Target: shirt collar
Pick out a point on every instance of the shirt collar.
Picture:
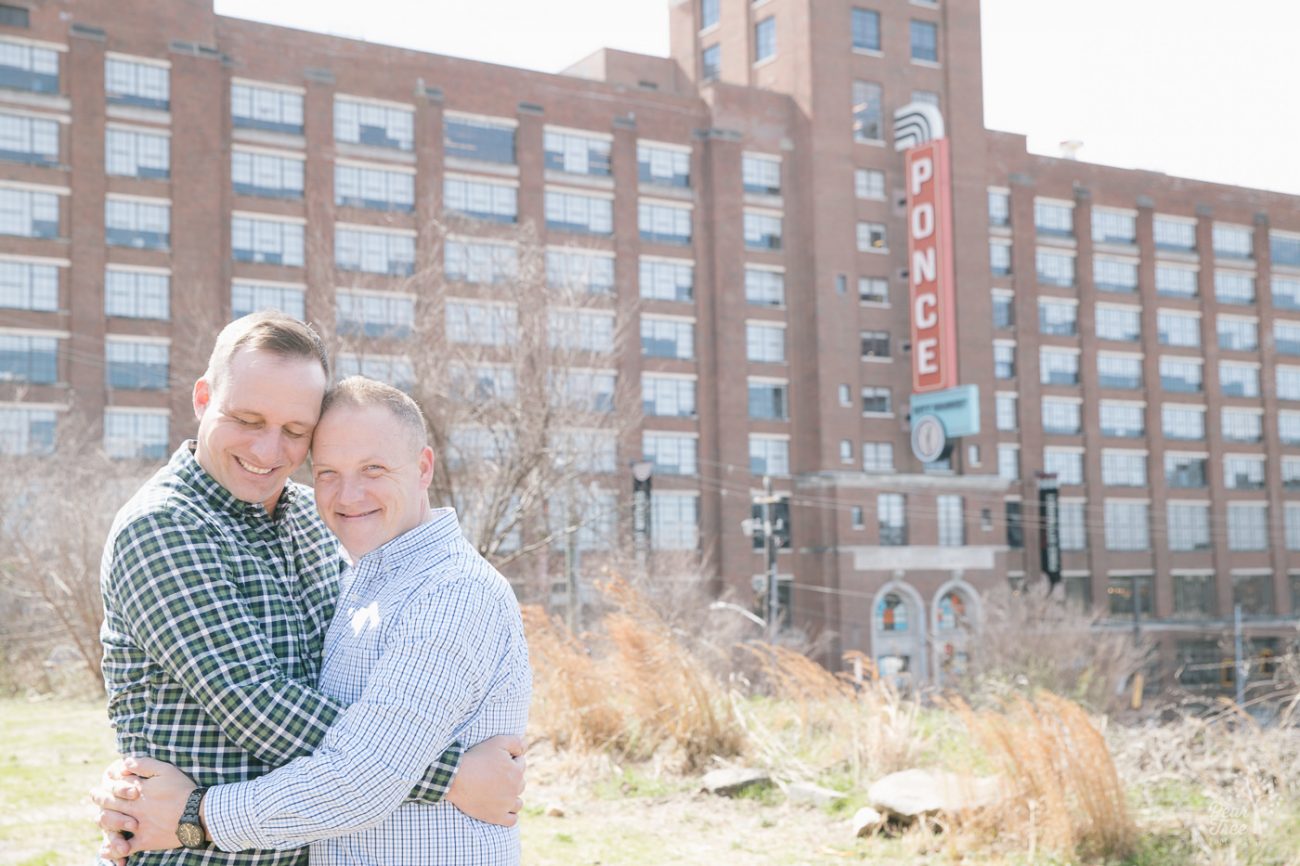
(186, 467)
(439, 529)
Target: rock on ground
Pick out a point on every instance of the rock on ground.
(910, 794)
(730, 781)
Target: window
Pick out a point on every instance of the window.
(876, 400)
(29, 358)
(1121, 591)
(26, 431)
(374, 252)
(29, 286)
(869, 183)
(1182, 422)
(596, 518)
(1119, 371)
(877, 457)
(1286, 337)
(1057, 367)
(374, 188)
(32, 140)
(477, 382)
(1004, 360)
(1015, 526)
(14, 16)
(1189, 526)
(857, 518)
(1290, 528)
(1237, 335)
(1113, 227)
(846, 451)
(865, 26)
(1243, 472)
(587, 450)
(667, 338)
(479, 139)
(132, 153)
(1175, 282)
(765, 342)
(762, 231)
(135, 434)
(29, 213)
(1186, 470)
(1242, 425)
(136, 223)
(1067, 466)
(1238, 380)
(709, 10)
(1004, 310)
(267, 241)
(580, 270)
(260, 106)
(875, 344)
(1178, 329)
(480, 261)
(1286, 293)
(137, 294)
(952, 529)
(1122, 324)
(764, 288)
(711, 63)
(663, 165)
(265, 174)
(1180, 375)
(666, 223)
(999, 258)
(481, 323)
(1247, 526)
(585, 214)
(1288, 427)
(1054, 268)
(1234, 287)
(576, 153)
(1233, 241)
(374, 314)
(482, 200)
(1072, 524)
(671, 453)
(136, 365)
(1115, 275)
(395, 370)
(891, 519)
(248, 297)
(1284, 248)
(1126, 526)
(1009, 462)
(1006, 412)
(667, 396)
(769, 400)
(1175, 233)
(769, 455)
(1055, 218)
(765, 39)
(674, 521)
(374, 124)
(1288, 382)
(1254, 592)
(1058, 317)
(872, 238)
(1194, 596)
(868, 122)
(1122, 420)
(28, 67)
(1062, 417)
(1124, 468)
(999, 208)
(581, 330)
(131, 82)
(760, 174)
(925, 41)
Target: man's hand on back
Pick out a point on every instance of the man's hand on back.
(490, 781)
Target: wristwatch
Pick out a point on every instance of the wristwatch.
(190, 829)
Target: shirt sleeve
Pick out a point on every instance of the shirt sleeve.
(170, 585)
(433, 671)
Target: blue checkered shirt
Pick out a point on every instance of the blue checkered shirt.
(427, 647)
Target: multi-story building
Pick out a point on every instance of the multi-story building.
(164, 169)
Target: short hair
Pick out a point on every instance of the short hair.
(360, 392)
(266, 331)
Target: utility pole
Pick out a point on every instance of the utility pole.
(1239, 656)
(769, 501)
(571, 568)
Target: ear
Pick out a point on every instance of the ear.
(426, 467)
(202, 397)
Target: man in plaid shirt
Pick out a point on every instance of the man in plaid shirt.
(219, 581)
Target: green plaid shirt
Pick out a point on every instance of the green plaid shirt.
(214, 619)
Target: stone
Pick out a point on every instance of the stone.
(730, 781)
(866, 821)
(555, 810)
(815, 795)
(910, 794)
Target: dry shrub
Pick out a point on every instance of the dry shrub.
(571, 705)
(1065, 793)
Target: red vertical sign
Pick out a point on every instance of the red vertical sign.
(930, 267)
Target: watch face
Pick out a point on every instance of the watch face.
(190, 835)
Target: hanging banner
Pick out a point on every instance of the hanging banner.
(930, 267)
(1049, 521)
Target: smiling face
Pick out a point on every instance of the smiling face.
(255, 426)
(372, 476)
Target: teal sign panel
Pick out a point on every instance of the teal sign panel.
(958, 408)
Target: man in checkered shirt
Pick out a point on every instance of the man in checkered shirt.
(219, 581)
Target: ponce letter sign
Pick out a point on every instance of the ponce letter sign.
(930, 269)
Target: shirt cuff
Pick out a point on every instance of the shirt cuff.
(229, 813)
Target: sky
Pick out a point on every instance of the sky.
(1195, 88)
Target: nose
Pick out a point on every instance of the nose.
(266, 448)
(350, 490)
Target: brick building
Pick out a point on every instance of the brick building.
(163, 168)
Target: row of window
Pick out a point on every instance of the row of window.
(1194, 596)
(1120, 468)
